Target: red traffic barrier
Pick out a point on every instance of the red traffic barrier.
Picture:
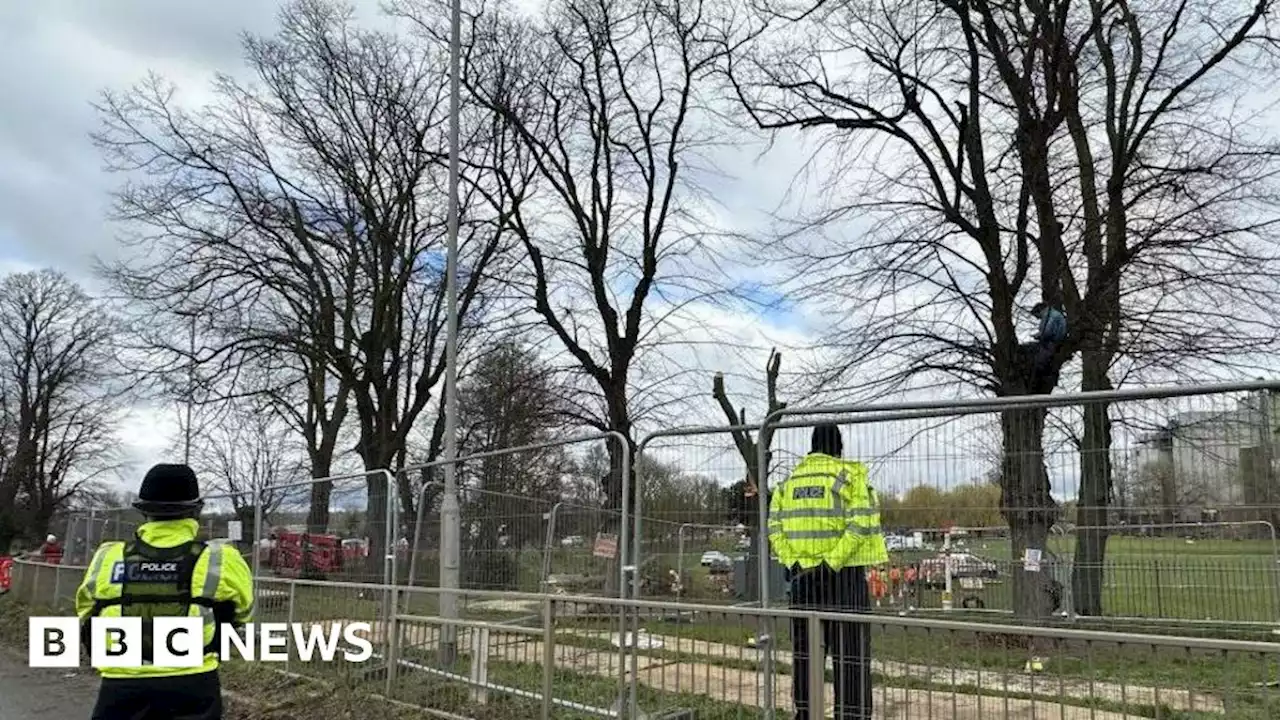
(6, 563)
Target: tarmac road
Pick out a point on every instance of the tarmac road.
(28, 693)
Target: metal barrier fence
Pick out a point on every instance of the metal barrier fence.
(512, 501)
(1187, 457)
(556, 656)
(224, 514)
(714, 561)
(1206, 447)
(1183, 454)
(504, 496)
(327, 528)
(571, 560)
(43, 585)
(85, 530)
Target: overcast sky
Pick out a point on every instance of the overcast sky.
(55, 60)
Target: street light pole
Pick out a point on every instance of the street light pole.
(450, 530)
(191, 392)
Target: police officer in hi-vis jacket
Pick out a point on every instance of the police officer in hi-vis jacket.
(824, 527)
(164, 571)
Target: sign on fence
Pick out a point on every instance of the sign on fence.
(1031, 560)
(235, 530)
(6, 566)
(606, 546)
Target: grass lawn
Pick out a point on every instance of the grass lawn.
(1206, 579)
(1236, 581)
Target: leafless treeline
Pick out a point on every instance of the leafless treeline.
(1112, 157)
(61, 387)
(1109, 156)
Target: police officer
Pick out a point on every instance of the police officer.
(166, 572)
(824, 527)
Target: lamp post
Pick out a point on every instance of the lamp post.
(191, 384)
(450, 531)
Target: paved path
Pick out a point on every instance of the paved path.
(1003, 681)
(44, 694)
(742, 686)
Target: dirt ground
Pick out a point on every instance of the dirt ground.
(43, 694)
(64, 694)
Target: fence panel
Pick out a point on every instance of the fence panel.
(86, 530)
(695, 517)
(574, 551)
(47, 588)
(1187, 527)
(547, 516)
(557, 663)
(328, 529)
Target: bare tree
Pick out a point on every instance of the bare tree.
(512, 398)
(245, 451)
(59, 396)
(600, 103)
(744, 495)
(742, 439)
(301, 389)
(302, 215)
(1074, 151)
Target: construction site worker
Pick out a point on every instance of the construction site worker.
(875, 580)
(50, 552)
(824, 527)
(166, 572)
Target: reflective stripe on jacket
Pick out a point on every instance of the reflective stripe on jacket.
(221, 574)
(826, 512)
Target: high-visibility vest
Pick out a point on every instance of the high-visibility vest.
(165, 572)
(826, 513)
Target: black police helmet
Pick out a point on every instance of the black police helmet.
(169, 491)
(827, 440)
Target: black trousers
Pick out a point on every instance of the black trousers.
(848, 644)
(183, 697)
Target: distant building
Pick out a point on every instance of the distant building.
(1208, 465)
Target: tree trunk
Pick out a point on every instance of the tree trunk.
(1028, 506)
(10, 528)
(318, 514)
(376, 524)
(620, 421)
(408, 506)
(1095, 492)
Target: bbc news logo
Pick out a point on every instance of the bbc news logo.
(54, 642)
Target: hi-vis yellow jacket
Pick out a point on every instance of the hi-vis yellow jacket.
(219, 575)
(826, 512)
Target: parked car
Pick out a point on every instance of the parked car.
(716, 561)
(963, 565)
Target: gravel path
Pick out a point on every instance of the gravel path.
(44, 694)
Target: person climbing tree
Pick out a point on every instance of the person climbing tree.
(1041, 351)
